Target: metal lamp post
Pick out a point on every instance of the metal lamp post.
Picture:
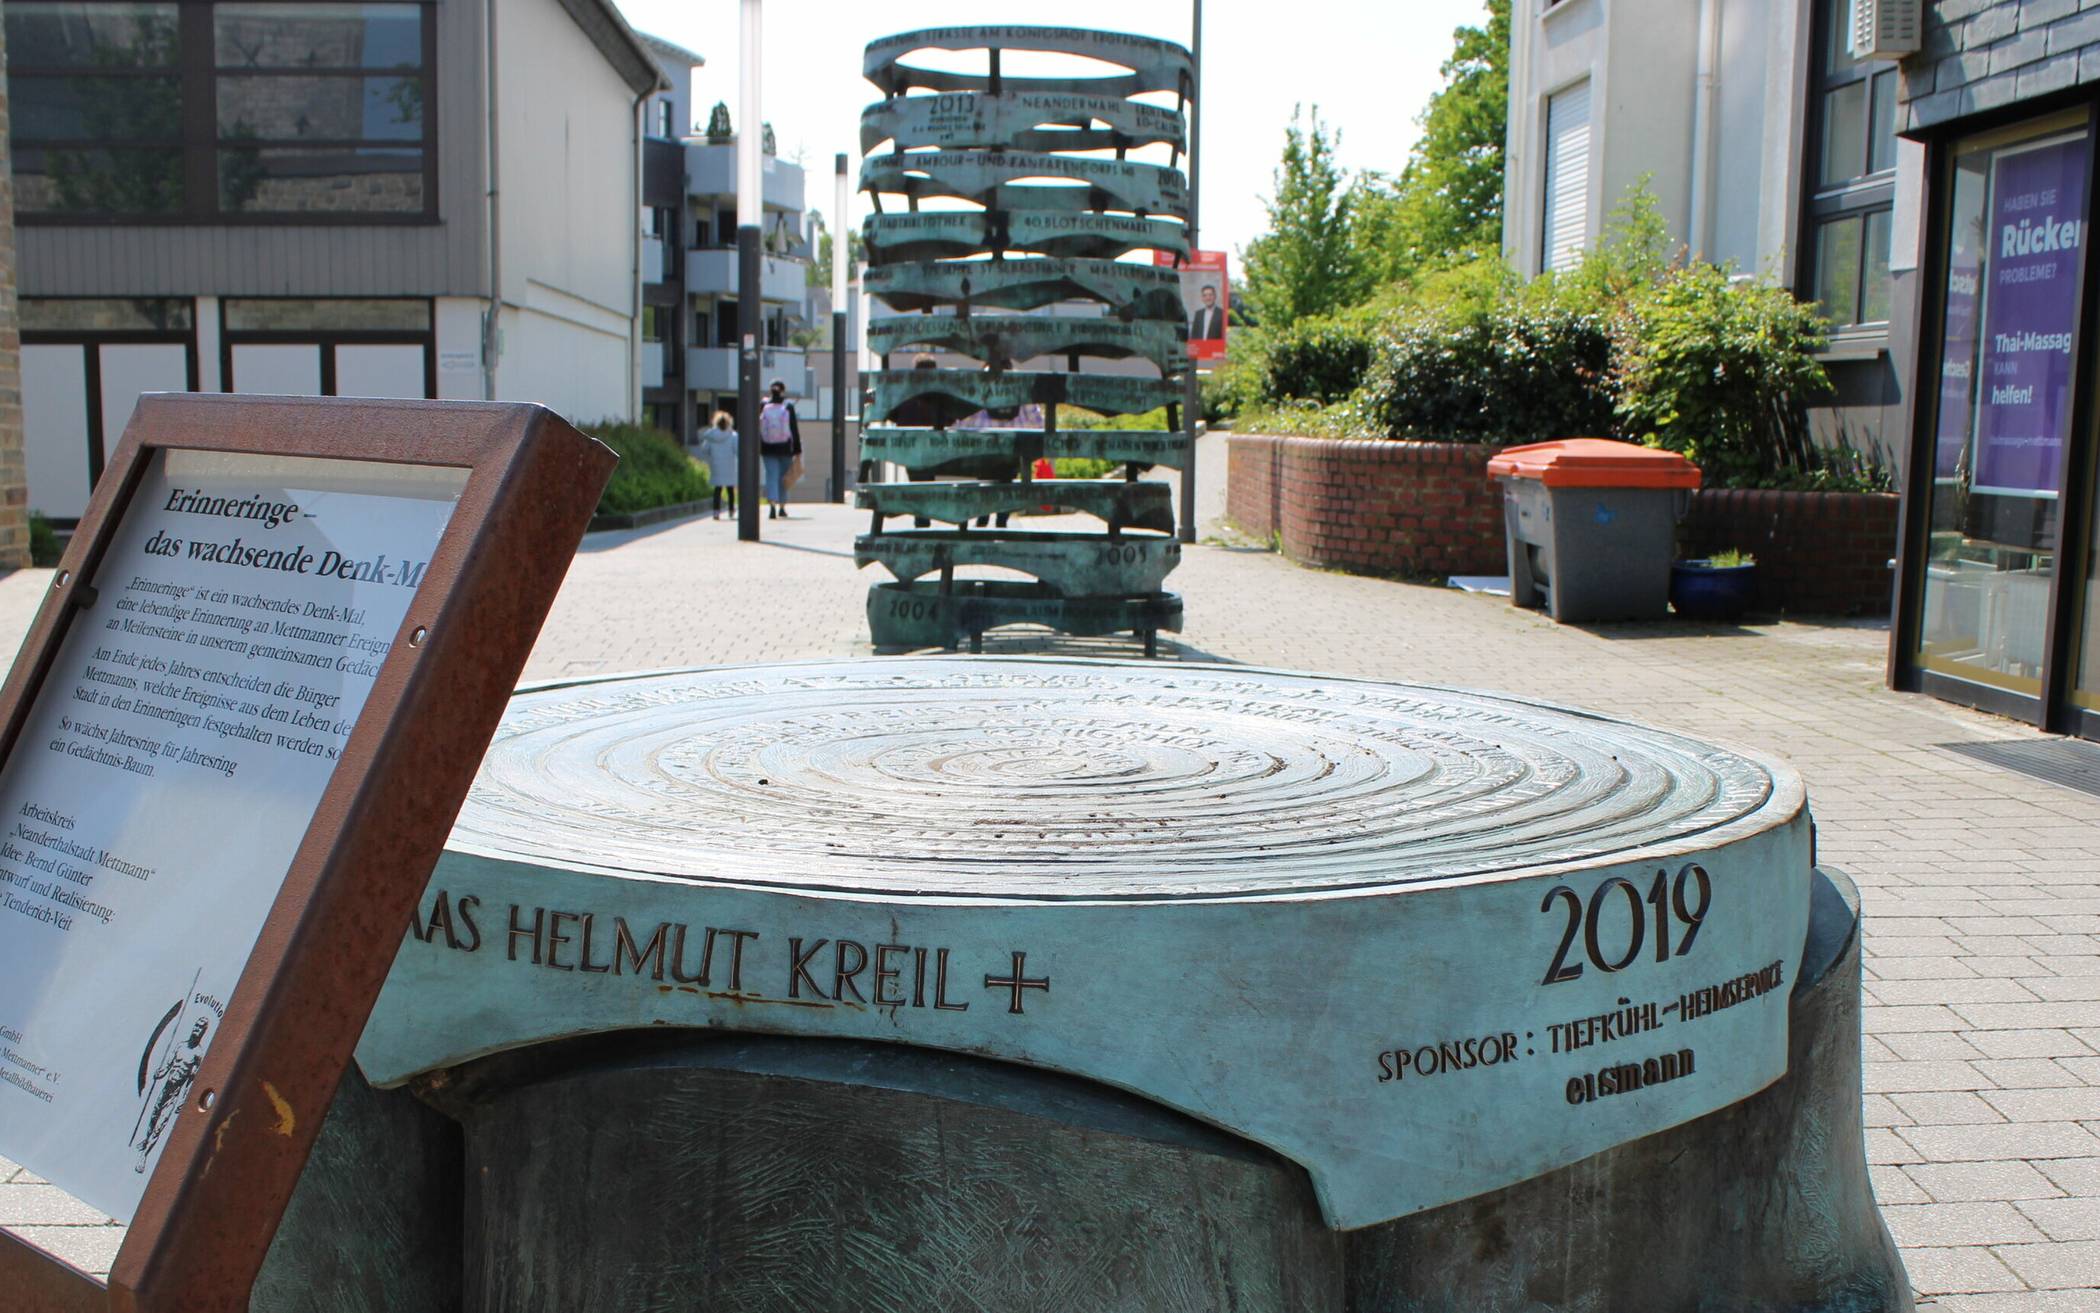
(1192, 397)
(841, 253)
(750, 200)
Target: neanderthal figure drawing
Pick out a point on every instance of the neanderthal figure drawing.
(171, 1082)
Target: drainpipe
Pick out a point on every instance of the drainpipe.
(634, 317)
(491, 319)
(1704, 89)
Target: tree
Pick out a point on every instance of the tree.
(1307, 263)
(1446, 205)
(820, 268)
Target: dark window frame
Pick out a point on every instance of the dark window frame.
(326, 340)
(1859, 196)
(198, 142)
(2050, 708)
(89, 340)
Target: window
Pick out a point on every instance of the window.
(655, 319)
(320, 108)
(1851, 163)
(666, 121)
(335, 315)
(204, 111)
(1565, 229)
(97, 108)
(106, 315)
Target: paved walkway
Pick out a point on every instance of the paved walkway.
(1981, 887)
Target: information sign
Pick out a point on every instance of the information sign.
(235, 693)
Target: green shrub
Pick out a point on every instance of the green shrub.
(1321, 360)
(43, 541)
(653, 470)
(1079, 417)
(1234, 384)
(1306, 419)
(1083, 467)
(1515, 371)
(1719, 370)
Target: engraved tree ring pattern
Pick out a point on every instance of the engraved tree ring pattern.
(1037, 779)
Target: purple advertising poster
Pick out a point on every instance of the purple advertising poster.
(2031, 307)
(1967, 240)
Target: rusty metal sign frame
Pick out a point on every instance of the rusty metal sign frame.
(215, 1198)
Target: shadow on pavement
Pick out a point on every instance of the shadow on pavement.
(1038, 642)
(805, 547)
(1637, 629)
(606, 539)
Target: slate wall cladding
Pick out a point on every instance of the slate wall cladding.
(1418, 509)
(1981, 54)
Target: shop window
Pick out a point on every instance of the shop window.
(1852, 178)
(316, 109)
(2013, 224)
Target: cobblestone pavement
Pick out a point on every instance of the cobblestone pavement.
(1981, 886)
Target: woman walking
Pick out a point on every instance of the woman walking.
(779, 442)
(718, 447)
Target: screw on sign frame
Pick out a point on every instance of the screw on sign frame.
(231, 1161)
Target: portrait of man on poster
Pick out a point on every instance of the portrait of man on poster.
(1207, 316)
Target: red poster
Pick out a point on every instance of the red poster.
(1205, 293)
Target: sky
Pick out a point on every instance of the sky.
(1370, 66)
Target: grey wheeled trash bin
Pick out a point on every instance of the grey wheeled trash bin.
(1592, 525)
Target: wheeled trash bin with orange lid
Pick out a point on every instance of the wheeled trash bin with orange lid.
(1592, 526)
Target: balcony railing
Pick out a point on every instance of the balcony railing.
(713, 368)
(713, 272)
(711, 171)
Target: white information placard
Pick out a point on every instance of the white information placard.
(167, 774)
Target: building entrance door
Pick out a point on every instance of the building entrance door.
(1991, 460)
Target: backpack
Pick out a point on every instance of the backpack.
(773, 429)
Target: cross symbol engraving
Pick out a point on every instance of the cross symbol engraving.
(1017, 982)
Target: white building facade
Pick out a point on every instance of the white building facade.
(407, 198)
(1924, 169)
(1766, 146)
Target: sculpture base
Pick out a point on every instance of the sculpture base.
(667, 1171)
(921, 615)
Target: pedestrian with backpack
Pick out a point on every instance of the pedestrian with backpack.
(779, 443)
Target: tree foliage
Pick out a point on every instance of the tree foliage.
(1446, 205)
(1308, 262)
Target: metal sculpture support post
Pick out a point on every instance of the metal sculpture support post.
(1192, 404)
(750, 304)
(1053, 297)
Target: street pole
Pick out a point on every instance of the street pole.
(841, 253)
(750, 199)
(1192, 394)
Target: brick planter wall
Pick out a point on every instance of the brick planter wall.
(1429, 508)
(1819, 553)
(1406, 508)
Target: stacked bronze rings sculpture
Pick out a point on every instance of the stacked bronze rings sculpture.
(1034, 221)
